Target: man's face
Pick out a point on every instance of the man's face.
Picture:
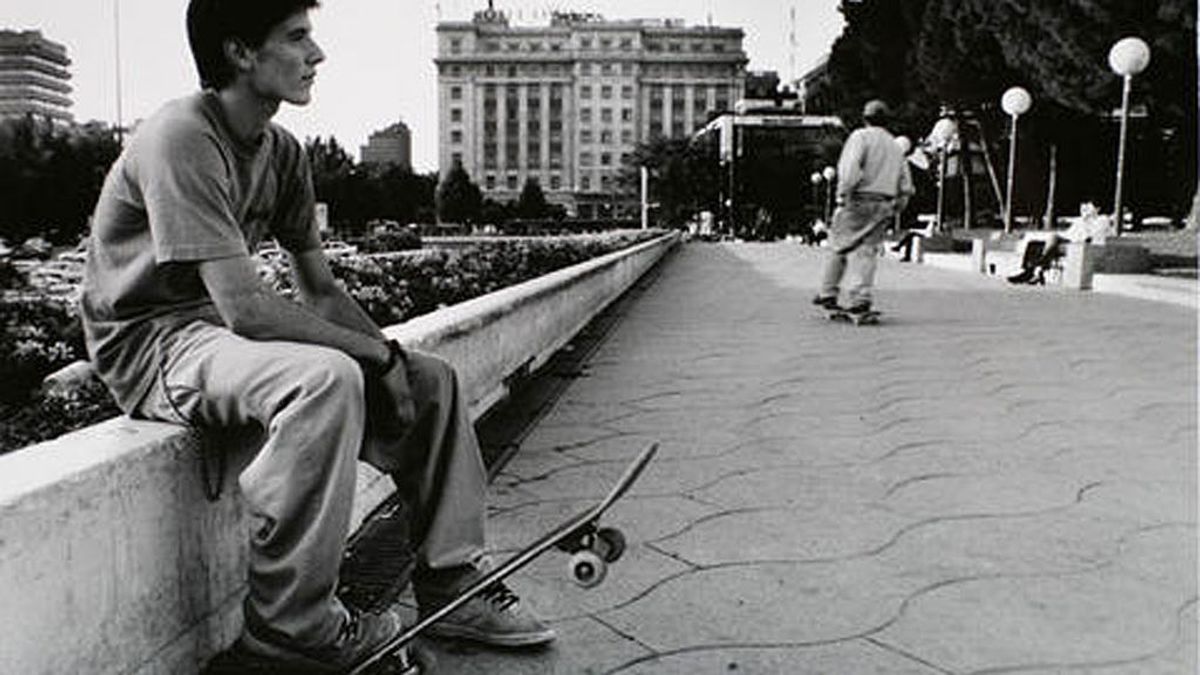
(285, 65)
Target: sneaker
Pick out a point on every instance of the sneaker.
(494, 617)
(361, 636)
(826, 301)
(860, 308)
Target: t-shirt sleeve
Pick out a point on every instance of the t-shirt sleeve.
(295, 222)
(185, 188)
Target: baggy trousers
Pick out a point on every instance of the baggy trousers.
(855, 237)
(299, 487)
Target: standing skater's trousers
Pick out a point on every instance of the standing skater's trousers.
(299, 486)
(854, 244)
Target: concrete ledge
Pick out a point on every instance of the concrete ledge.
(113, 561)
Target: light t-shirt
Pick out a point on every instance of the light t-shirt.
(184, 190)
(871, 161)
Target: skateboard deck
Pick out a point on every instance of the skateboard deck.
(868, 318)
(592, 548)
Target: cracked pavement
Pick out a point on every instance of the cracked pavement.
(994, 480)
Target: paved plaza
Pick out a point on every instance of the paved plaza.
(995, 480)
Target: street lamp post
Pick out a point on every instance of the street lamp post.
(829, 174)
(1015, 102)
(818, 198)
(940, 137)
(1127, 58)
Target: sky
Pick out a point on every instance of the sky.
(379, 66)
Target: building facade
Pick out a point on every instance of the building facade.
(33, 76)
(566, 103)
(389, 147)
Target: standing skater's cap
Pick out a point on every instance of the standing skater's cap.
(876, 109)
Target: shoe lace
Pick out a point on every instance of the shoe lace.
(499, 596)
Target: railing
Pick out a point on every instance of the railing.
(113, 561)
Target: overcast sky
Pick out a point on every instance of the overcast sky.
(379, 65)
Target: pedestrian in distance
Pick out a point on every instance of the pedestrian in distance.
(181, 329)
(873, 185)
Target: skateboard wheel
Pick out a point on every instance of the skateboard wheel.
(588, 569)
(613, 543)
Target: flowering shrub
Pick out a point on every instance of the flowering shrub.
(39, 335)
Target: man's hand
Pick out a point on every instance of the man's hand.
(391, 409)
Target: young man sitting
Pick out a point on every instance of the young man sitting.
(181, 329)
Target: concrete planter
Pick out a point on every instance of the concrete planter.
(113, 561)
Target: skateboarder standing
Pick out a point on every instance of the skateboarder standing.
(874, 184)
(181, 329)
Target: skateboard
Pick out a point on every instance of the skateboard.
(868, 318)
(592, 549)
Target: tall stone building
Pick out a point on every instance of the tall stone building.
(33, 76)
(565, 103)
(389, 147)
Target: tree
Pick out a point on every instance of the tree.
(50, 176)
(458, 200)
(921, 54)
(532, 202)
(685, 177)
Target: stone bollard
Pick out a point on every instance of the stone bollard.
(918, 250)
(979, 256)
(1077, 266)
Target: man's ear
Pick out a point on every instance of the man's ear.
(238, 54)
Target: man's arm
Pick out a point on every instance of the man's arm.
(321, 291)
(253, 310)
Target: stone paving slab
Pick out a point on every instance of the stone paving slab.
(994, 480)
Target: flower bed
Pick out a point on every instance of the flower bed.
(39, 331)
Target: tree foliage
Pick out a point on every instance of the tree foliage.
(923, 54)
(532, 202)
(458, 199)
(684, 177)
(50, 176)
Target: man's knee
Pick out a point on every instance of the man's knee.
(331, 373)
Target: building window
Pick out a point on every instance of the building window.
(555, 182)
(555, 47)
(512, 71)
(456, 114)
(626, 135)
(456, 136)
(626, 68)
(585, 183)
(455, 71)
(605, 182)
(606, 91)
(533, 154)
(677, 129)
(585, 159)
(606, 115)
(585, 91)
(626, 43)
(606, 136)
(718, 47)
(491, 46)
(585, 68)
(585, 115)
(489, 156)
(585, 135)
(490, 182)
(455, 45)
(605, 43)
(456, 93)
(606, 159)
(585, 43)
(627, 92)
(626, 114)
(674, 47)
(511, 181)
(535, 46)
(697, 46)
(455, 158)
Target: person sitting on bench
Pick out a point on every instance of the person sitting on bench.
(1041, 255)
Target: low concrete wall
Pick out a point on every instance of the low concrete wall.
(113, 561)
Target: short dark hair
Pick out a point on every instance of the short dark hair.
(211, 22)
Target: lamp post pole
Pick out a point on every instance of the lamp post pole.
(1015, 102)
(1127, 58)
(829, 174)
